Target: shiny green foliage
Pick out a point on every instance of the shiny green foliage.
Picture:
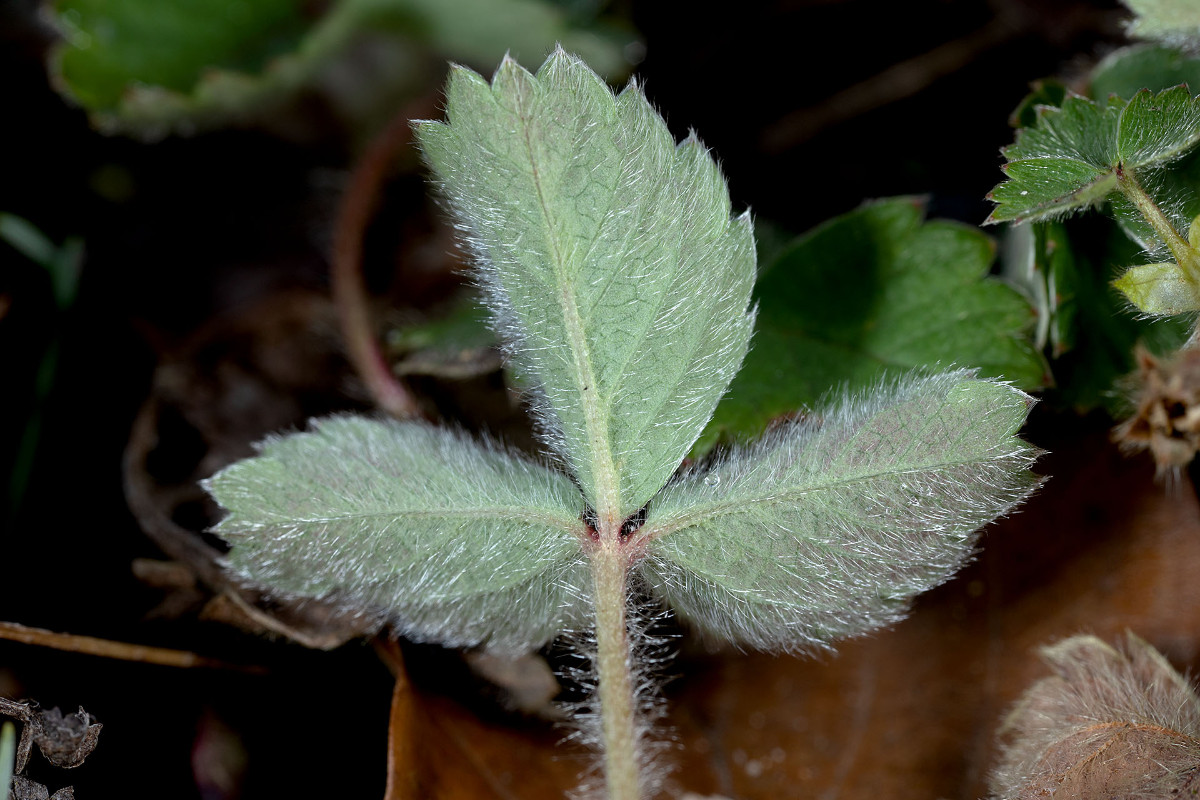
(874, 291)
(612, 262)
(828, 526)
(1078, 154)
(455, 541)
(151, 68)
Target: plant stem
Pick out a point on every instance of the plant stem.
(615, 686)
(1182, 251)
(345, 275)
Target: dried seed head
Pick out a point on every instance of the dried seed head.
(1166, 420)
(1109, 723)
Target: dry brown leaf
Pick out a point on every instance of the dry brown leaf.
(1166, 420)
(437, 750)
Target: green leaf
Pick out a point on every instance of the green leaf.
(151, 68)
(875, 290)
(457, 542)
(1165, 20)
(1073, 156)
(828, 527)
(618, 276)
(1158, 289)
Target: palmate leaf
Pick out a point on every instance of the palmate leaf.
(616, 272)
(1074, 156)
(827, 527)
(454, 541)
(623, 286)
(876, 290)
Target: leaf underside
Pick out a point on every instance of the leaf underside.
(454, 541)
(872, 291)
(619, 279)
(1073, 156)
(828, 527)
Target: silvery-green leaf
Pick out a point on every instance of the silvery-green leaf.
(1174, 21)
(456, 542)
(618, 277)
(827, 527)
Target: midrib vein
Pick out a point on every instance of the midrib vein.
(604, 474)
(703, 512)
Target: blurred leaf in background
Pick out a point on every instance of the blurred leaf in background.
(1165, 20)
(62, 263)
(151, 69)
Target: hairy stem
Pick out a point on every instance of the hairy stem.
(1185, 257)
(618, 700)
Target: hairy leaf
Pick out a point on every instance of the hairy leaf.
(1074, 156)
(874, 290)
(618, 276)
(829, 526)
(1176, 190)
(1109, 723)
(1158, 289)
(1165, 289)
(1175, 21)
(151, 68)
(457, 542)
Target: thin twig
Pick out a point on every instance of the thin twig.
(346, 280)
(903, 79)
(105, 648)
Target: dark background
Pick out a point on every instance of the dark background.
(812, 106)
